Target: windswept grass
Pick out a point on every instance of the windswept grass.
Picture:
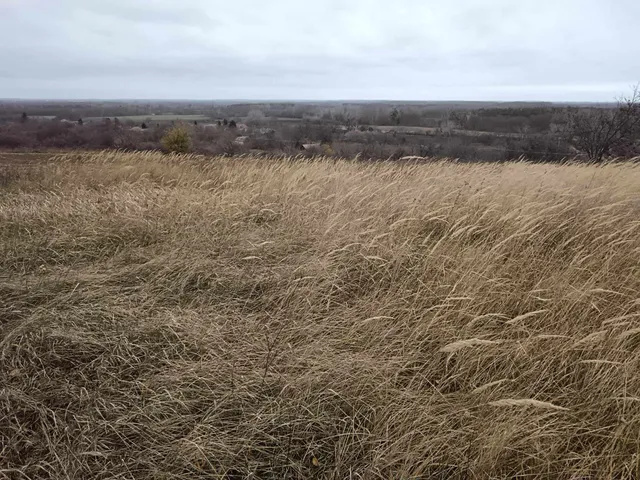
(181, 317)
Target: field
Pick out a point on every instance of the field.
(434, 131)
(186, 317)
(154, 118)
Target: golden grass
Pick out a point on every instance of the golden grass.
(182, 317)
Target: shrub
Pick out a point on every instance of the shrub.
(11, 140)
(177, 140)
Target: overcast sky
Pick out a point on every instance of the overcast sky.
(562, 50)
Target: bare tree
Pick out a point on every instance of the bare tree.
(394, 116)
(599, 131)
(256, 117)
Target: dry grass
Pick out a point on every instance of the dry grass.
(181, 318)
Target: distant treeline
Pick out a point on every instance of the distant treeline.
(472, 131)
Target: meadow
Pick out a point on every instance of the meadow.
(183, 317)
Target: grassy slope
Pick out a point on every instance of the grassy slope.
(189, 318)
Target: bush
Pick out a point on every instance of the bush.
(10, 140)
(177, 140)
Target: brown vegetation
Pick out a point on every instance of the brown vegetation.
(600, 132)
(468, 131)
(177, 140)
(184, 317)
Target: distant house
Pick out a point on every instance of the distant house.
(241, 140)
(311, 146)
(242, 127)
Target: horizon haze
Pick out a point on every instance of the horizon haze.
(556, 51)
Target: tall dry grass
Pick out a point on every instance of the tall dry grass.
(179, 318)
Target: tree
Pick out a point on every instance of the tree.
(394, 116)
(600, 131)
(80, 122)
(177, 140)
(143, 126)
(256, 117)
(225, 122)
(24, 117)
(232, 124)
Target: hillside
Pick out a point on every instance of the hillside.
(187, 317)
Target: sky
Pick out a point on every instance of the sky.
(554, 50)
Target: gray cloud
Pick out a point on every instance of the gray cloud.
(324, 49)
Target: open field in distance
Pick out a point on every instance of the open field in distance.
(435, 131)
(154, 118)
(190, 317)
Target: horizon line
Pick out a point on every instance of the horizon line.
(301, 100)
